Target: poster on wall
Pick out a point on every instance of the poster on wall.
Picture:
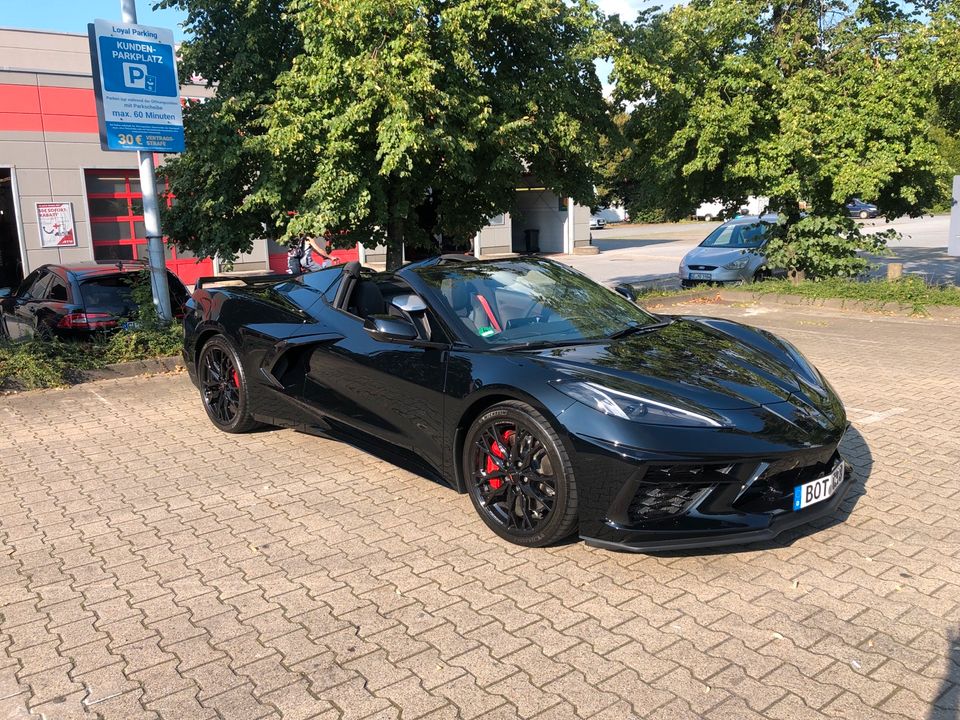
(56, 224)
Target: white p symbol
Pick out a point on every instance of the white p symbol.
(134, 75)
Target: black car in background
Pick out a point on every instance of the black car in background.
(557, 404)
(76, 301)
(863, 210)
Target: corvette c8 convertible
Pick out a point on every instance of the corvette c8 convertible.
(557, 404)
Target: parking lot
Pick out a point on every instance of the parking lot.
(153, 567)
(651, 254)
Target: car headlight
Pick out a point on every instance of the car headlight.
(632, 407)
(737, 264)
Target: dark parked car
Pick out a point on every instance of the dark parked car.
(863, 210)
(557, 404)
(76, 301)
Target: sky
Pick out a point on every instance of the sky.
(73, 15)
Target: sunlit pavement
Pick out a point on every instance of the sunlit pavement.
(651, 254)
(153, 567)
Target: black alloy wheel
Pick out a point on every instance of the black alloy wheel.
(223, 387)
(519, 476)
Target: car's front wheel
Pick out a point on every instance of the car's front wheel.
(519, 475)
(864, 215)
(223, 387)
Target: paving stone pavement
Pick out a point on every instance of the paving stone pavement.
(151, 567)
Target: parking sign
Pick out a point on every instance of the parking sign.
(135, 79)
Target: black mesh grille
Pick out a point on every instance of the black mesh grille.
(659, 501)
(669, 489)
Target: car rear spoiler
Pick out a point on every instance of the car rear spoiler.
(239, 280)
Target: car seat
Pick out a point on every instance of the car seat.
(367, 300)
(471, 307)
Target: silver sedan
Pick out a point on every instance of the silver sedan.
(732, 253)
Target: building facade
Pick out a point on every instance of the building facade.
(52, 167)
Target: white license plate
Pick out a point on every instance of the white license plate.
(700, 276)
(818, 490)
(130, 325)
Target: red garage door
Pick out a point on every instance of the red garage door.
(116, 224)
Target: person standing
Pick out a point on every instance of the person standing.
(300, 255)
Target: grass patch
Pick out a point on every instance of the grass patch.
(36, 364)
(910, 291)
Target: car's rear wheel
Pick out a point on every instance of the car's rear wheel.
(519, 475)
(864, 214)
(223, 387)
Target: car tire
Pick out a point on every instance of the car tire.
(864, 215)
(541, 493)
(761, 274)
(708, 218)
(223, 387)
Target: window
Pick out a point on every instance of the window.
(58, 290)
(497, 220)
(116, 217)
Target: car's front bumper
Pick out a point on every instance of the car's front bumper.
(700, 488)
(720, 526)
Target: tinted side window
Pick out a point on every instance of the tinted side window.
(57, 292)
(28, 282)
(39, 289)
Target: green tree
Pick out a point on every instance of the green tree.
(802, 102)
(396, 121)
(240, 47)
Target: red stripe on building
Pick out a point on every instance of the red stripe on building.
(67, 101)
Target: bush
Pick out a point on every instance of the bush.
(37, 364)
(818, 246)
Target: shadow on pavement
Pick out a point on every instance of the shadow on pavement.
(946, 706)
(932, 263)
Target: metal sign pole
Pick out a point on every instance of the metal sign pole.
(953, 241)
(151, 209)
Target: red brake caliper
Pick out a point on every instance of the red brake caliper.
(495, 483)
(236, 379)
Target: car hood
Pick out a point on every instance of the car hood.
(717, 256)
(699, 364)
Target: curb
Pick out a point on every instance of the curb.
(172, 363)
(730, 297)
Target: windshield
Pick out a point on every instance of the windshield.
(514, 302)
(738, 235)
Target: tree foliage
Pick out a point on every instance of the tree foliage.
(396, 121)
(802, 102)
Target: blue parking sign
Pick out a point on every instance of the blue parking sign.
(138, 94)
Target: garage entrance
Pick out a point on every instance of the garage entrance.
(539, 217)
(11, 264)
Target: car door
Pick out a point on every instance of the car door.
(20, 312)
(389, 390)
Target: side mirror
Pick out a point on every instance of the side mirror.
(627, 292)
(389, 328)
(5, 292)
(409, 303)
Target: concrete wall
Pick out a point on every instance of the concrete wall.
(496, 239)
(538, 209)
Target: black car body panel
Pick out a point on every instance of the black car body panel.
(74, 302)
(776, 423)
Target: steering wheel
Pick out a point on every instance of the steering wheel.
(545, 314)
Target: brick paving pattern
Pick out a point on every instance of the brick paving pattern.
(152, 567)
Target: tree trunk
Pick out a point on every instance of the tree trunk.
(394, 240)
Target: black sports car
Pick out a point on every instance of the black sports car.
(555, 403)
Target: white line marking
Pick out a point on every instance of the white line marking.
(875, 416)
